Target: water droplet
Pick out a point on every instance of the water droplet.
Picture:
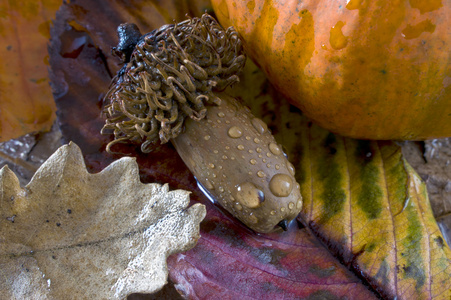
(277, 167)
(232, 157)
(192, 163)
(260, 156)
(221, 114)
(261, 174)
(274, 148)
(240, 147)
(248, 138)
(291, 205)
(221, 189)
(268, 154)
(258, 150)
(238, 206)
(227, 147)
(220, 167)
(219, 121)
(253, 219)
(256, 140)
(211, 165)
(259, 125)
(251, 151)
(282, 209)
(235, 132)
(268, 165)
(253, 161)
(207, 137)
(299, 204)
(209, 185)
(224, 157)
(281, 185)
(249, 195)
(290, 168)
(214, 175)
(215, 151)
(273, 212)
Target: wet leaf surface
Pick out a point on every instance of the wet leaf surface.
(368, 241)
(27, 104)
(70, 234)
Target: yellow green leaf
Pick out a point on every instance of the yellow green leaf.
(361, 198)
(26, 103)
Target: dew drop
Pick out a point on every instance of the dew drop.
(299, 204)
(290, 168)
(249, 195)
(248, 138)
(281, 185)
(273, 212)
(240, 147)
(282, 209)
(274, 148)
(227, 147)
(259, 125)
(277, 167)
(253, 219)
(215, 151)
(268, 165)
(258, 150)
(235, 132)
(221, 114)
(251, 151)
(224, 157)
(261, 174)
(291, 205)
(207, 137)
(256, 140)
(209, 185)
(211, 165)
(253, 161)
(238, 206)
(221, 189)
(268, 154)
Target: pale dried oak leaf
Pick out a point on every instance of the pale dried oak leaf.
(73, 235)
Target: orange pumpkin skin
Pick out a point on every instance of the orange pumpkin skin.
(363, 69)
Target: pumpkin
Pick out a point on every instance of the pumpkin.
(363, 69)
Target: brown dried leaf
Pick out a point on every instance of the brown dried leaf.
(71, 234)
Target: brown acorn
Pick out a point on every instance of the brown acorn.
(170, 89)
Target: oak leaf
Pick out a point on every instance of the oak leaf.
(69, 234)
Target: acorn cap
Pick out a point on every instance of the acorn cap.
(172, 73)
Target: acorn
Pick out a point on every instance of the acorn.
(171, 89)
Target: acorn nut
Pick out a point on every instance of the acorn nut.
(169, 89)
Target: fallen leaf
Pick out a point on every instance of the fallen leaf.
(69, 234)
(362, 199)
(317, 261)
(27, 104)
